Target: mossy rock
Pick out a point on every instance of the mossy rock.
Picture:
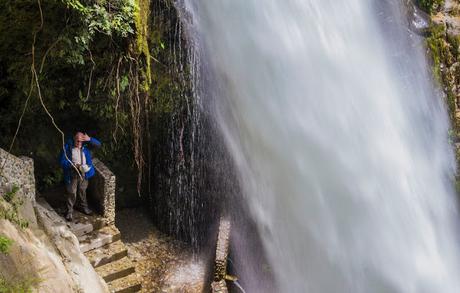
(430, 6)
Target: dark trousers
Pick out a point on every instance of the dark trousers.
(76, 186)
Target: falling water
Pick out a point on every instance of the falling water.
(187, 152)
(238, 285)
(339, 140)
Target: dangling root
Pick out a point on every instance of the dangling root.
(35, 83)
(136, 117)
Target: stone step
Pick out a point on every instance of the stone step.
(116, 270)
(83, 224)
(128, 284)
(99, 238)
(107, 253)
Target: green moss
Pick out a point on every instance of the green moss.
(444, 52)
(141, 16)
(76, 91)
(454, 41)
(18, 285)
(437, 48)
(430, 6)
(120, 37)
(5, 244)
(9, 208)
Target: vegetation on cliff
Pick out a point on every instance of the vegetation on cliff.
(5, 244)
(444, 52)
(9, 210)
(88, 63)
(430, 5)
(118, 70)
(443, 44)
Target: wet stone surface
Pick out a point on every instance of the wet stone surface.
(162, 263)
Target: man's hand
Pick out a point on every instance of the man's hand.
(85, 137)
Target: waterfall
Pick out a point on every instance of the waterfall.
(339, 141)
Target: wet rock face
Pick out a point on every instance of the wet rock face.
(443, 42)
(190, 171)
(448, 16)
(42, 262)
(443, 46)
(415, 19)
(419, 21)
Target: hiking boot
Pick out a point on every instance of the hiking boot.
(87, 211)
(84, 210)
(69, 217)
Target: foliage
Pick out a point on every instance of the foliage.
(110, 18)
(106, 67)
(9, 208)
(435, 44)
(107, 17)
(76, 57)
(10, 195)
(5, 244)
(19, 285)
(52, 179)
(444, 51)
(23, 284)
(430, 6)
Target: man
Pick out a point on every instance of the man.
(78, 169)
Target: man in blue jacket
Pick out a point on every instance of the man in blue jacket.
(78, 168)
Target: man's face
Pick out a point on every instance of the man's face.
(78, 139)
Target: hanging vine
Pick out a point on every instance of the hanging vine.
(142, 80)
(66, 35)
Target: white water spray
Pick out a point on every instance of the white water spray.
(339, 140)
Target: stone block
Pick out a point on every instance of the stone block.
(17, 171)
(101, 191)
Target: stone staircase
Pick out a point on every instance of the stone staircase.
(99, 239)
(102, 245)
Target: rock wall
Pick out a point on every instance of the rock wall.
(19, 172)
(443, 45)
(32, 257)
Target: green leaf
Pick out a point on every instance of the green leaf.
(5, 244)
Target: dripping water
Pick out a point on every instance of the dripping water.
(339, 141)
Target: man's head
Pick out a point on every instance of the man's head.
(78, 139)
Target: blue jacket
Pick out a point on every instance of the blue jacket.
(67, 166)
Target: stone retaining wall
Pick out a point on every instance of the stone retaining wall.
(17, 171)
(101, 191)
